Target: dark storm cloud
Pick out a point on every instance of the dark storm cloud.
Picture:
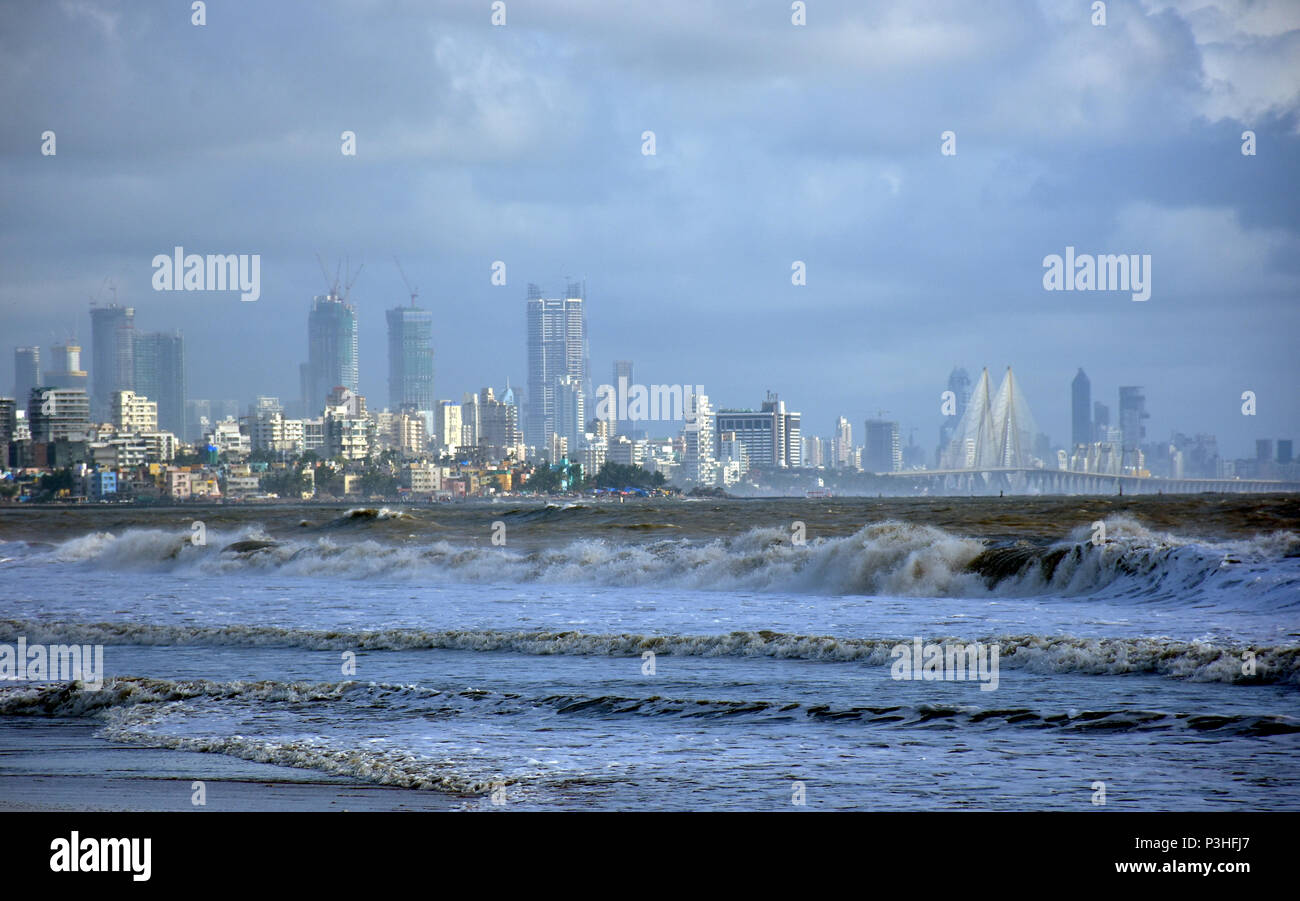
(775, 144)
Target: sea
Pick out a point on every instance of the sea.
(687, 654)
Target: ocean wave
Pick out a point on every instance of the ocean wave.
(140, 705)
(1041, 654)
(886, 558)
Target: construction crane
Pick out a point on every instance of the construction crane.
(414, 292)
(332, 286)
(329, 285)
(352, 279)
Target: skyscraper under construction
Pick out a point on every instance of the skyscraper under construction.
(331, 350)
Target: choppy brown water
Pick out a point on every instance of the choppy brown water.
(1038, 520)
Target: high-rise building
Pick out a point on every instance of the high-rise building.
(131, 412)
(331, 350)
(498, 426)
(622, 384)
(570, 411)
(1081, 410)
(699, 457)
(842, 445)
(883, 450)
(814, 452)
(447, 426)
(27, 373)
(959, 384)
(557, 349)
(1132, 412)
(58, 413)
(410, 361)
(1284, 451)
(772, 435)
(112, 355)
(198, 419)
(1264, 450)
(160, 376)
(1100, 421)
(66, 371)
(8, 425)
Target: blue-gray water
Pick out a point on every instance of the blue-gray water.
(524, 665)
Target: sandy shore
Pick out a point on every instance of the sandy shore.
(59, 764)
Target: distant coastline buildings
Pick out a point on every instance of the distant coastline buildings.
(127, 409)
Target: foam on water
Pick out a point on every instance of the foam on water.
(887, 559)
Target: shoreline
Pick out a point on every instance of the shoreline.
(59, 765)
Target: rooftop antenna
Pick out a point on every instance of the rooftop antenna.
(413, 291)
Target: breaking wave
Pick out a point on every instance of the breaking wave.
(886, 558)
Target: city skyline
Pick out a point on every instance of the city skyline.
(829, 154)
(120, 343)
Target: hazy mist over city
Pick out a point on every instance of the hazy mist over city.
(773, 144)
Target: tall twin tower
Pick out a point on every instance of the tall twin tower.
(556, 330)
(332, 354)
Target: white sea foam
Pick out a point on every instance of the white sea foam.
(887, 558)
(1046, 654)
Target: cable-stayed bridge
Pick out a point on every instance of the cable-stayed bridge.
(991, 451)
(995, 432)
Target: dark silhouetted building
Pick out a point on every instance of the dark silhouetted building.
(112, 355)
(1081, 410)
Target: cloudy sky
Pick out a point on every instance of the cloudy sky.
(774, 143)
